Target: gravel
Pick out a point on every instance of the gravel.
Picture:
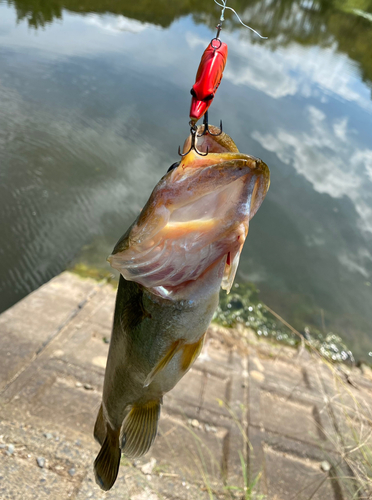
(10, 449)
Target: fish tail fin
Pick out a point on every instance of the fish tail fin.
(99, 432)
(106, 465)
(140, 428)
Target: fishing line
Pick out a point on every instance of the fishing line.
(222, 18)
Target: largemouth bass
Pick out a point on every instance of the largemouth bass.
(182, 248)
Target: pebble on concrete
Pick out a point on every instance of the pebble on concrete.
(41, 462)
(10, 449)
(195, 423)
(149, 467)
(210, 428)
(145, 495)
(72, 472)
(325, 466)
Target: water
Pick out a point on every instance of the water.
(94, 101)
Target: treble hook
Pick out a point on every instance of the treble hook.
(193, 129)
(206, 127)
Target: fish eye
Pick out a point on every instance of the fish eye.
(172, 167)
(192, 92)
(209, 97)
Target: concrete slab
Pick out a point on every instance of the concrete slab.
(31, 324)
(274, 410)
(291, 477)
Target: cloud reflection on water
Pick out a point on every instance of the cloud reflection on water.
(295, 70)
(333, 165)
(117, 24)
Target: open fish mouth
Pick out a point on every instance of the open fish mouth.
(197, 215)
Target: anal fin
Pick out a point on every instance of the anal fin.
(139, 429)
(174, 348)
(190, 352)
(99, 432)
(106, 465)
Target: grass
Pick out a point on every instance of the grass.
(351, 416)
(354, 442)
(348, 410)
(95, 273)
(354, 439)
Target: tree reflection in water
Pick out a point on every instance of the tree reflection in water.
(308, 22)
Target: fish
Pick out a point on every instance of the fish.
(183, 247)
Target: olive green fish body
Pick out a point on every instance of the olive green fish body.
(145, 328)
(182, 248)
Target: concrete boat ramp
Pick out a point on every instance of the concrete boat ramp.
(251, 420)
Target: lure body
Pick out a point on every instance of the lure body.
(208, 78)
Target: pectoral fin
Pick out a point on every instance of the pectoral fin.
(139, 429)
(174, 348)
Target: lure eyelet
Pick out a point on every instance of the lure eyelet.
(214, 46)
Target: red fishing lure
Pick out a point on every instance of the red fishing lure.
(208, 78)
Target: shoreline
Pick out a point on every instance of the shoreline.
(242, 308)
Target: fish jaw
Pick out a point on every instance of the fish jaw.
(198, 214)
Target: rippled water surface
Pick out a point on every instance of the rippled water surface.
(94, 101)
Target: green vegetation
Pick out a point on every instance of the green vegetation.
(98, 274)
(242, 306)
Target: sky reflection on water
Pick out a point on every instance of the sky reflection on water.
(93, 108)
